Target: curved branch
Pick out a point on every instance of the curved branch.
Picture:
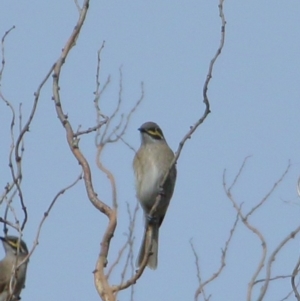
(193, 128)
(249, 226)
(141, 269)
(272, 259)
(3, 50)
(101, 283)
(221, 267)
(294, 286)
(72, 141)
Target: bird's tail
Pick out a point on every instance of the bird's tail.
(152, 260)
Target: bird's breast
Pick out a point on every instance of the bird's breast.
(149, 184)
(150, 165)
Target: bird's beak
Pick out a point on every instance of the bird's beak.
(141, 130)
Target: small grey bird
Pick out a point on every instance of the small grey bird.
(150, 164)
(15, 252)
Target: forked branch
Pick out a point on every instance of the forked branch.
(263, 262)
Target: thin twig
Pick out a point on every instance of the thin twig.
(15, 226)
(294, 286)
(121, 134)
(77, 6)
(290, 293)
(91, 129)
(197, 264)
(223, 260)
(106, 140)
(273, 278)
(239, 173)
(47, 212)
(3, 50)
(130, 242)
(287, 296)
(266, 197)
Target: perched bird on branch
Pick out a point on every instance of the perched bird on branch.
(151, 164)
(12, 280)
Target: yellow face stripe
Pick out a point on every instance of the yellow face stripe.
(155, 133)
(13, 244)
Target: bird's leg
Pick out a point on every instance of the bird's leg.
(152, 220)
(150, 215)
(161, 191)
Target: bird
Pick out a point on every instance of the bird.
(151, 163)
(15, 252)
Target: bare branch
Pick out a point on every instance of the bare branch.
(18, 149)
(15, 226)
(128, 145)
(109, 175)
(130, 255)
(294, 286)
(121, 128)
(245, 221)
(101, 283)
(198, 272)
(140, 271)
(103, 140)
(270, 191)
(207, 81)
(91, 129)
(73, 142)
(98, 93)
(77, 6)
(47, 212)
(223, 261)
(272, 259)
(128, 242)
(205, 100)
(288, 295)
(121, 134)
(10, 208)
(250, 227)
(3, 50)
(9, 186)
(18, 263)
(239, 172)
(273, 278)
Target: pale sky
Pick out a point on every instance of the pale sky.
(254, 96)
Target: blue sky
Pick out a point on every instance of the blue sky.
(254, 96)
